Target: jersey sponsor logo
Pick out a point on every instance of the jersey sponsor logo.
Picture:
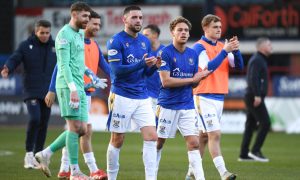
(62, 41)
(164, 121)
(176, 73)
(191, 62)
(209, 115)
(132, 59)
(112, 52)
(117, 115)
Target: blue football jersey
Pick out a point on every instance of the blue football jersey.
(153, 82)
(125, 56)
(180, 65)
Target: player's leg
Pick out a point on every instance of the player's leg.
(145, 120)
(188, 126)
(113, 154)
(118, 123)
(87, 150)
(33, 108)
(166, 128)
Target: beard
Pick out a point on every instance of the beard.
(81, 24)
(135, 29)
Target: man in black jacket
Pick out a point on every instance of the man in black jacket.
(257, 114)
(38, 56)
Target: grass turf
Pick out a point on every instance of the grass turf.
(282, 149)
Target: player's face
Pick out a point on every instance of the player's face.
(134, 20)
(213, 30)
(43, 33)
(150, 35)
(82, 18)
(181, 33)
(93, 27)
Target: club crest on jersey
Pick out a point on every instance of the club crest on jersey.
(116, 123)
(111, 41)
(62, 41)
(209, 123)
(191, 62)
(174, 59)
(162, 129)
(143, 45)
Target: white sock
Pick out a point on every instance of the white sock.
(112, 158)
(158, 157)
(190, 171)
(65, 163)
(47, 152)
(89, 159)
(29, 154)
(196, 162)
(149, 151)
(220, 164)
(74, 168)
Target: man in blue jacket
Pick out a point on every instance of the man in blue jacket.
(38, 56)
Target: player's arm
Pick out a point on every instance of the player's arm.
(115, 60)
(13, 61)
(103, 63)
(254, 77)
(204, 61)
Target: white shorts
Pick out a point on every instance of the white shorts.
(210, 113)
(125, 113)
(169, 121)
(153, 103)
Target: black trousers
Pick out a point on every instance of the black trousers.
(37, 126)
(257, 119)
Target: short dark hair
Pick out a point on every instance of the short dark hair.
(80, 6)
(154, 28)
(94, 14)
(131, 8)
(42, 23)
(208, 19)
(178, 20)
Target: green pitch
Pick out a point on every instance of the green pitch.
(282, 149)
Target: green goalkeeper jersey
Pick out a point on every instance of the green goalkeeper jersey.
(69, 45)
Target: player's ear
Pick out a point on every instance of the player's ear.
(124, 18)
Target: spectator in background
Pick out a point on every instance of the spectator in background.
(257, 114)
(152, 32)
(37, 54)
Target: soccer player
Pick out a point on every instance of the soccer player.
(178, 74)
(153, 83)
(128, 53)
(39, 58)
(69, 46)
(93, 59)
(209, 94)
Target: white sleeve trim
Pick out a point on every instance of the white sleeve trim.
(231, 59)
(203, 60)
(72, 86)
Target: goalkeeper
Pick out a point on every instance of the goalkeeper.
(93, 59)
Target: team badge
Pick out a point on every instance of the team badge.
(143, 45)
(111, 41)
(191, 62)
(209, 123)
(62, 41)
(174, 59)
(116, 123)
(162, 129)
